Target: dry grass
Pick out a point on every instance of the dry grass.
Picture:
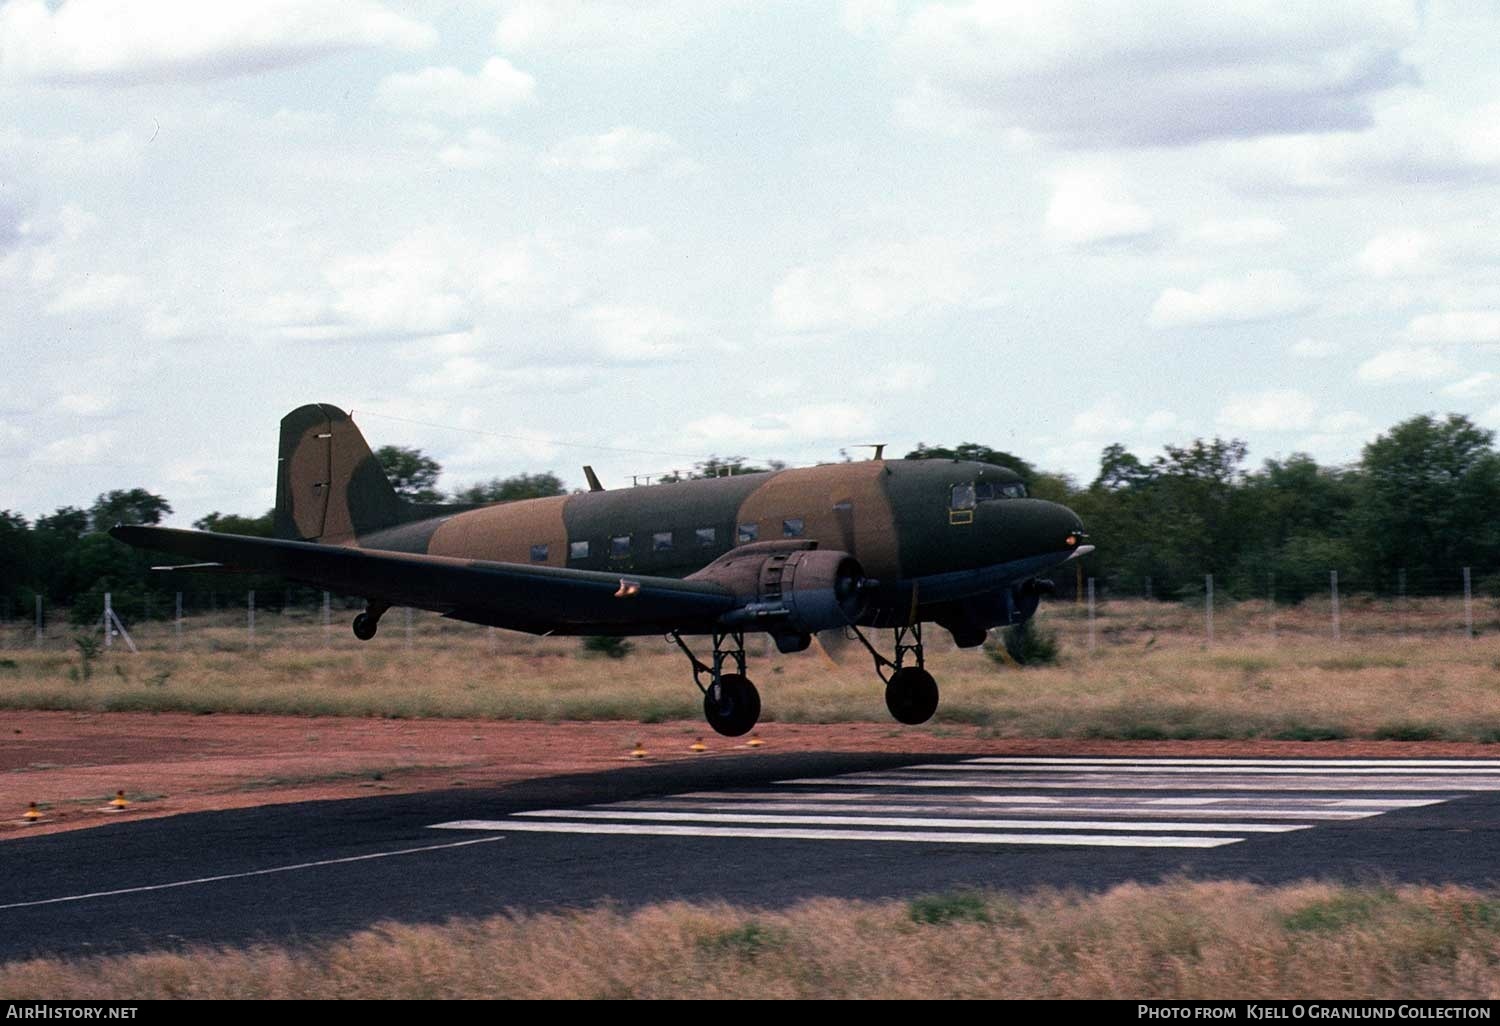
(1410, 674)
(1178, 940)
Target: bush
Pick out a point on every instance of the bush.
(953, 907)
(607, 645)
(1027, 644)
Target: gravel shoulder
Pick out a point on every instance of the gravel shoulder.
(71, 764)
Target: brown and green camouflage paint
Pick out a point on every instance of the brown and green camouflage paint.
(894, 516)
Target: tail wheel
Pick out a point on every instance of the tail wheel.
(365, 626)
(732, 705)
(912, 695)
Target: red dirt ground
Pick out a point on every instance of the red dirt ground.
(71, 764)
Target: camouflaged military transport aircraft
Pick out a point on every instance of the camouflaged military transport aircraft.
(875, 544)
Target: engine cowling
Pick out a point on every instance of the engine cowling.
(792, 593)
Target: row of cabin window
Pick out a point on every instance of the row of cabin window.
(661, 541)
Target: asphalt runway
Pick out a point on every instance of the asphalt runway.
(765, 830)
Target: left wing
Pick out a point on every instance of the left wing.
(515, 595)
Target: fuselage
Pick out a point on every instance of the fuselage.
(930, 532)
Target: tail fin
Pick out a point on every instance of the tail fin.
(329, 486)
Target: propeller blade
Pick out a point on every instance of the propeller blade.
(837, 647)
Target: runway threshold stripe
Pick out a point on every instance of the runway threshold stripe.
(1492, 770)
(788, 833)
(253, 872)
(980, 806)
(915, 821)
(1028, 760)
(1091, 784)
(1068, 803)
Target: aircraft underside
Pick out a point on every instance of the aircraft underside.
(731, 702)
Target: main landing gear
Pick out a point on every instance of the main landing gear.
(732, 705)
(911, 693)
(730, 702)
(366, 623)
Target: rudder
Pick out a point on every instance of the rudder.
(329, 486)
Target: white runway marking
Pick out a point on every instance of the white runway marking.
(917, 821)
(253, 872)
(926, 837)
(1121, 782)
(1028, 760)
(1031, 806)
(1215, 802)
(1250, 770)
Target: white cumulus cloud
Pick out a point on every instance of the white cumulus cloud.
(1091, 205)
(636, 334)
(624, 148)
(104, 41)
(1314, 348)
(1163, 71)
(1396, 253)
(1256, 296)
(1476, 385)
(1245, 231)
(608, 29)
(449, 92)
(1395, 366)
(1277, 409)
(871, 284)
(1456, 326)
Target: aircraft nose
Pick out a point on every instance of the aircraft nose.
(1048, 526)
(1065, 525)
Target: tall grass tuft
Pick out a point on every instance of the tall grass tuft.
(1174, 941)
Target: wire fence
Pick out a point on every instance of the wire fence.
(1094, 613)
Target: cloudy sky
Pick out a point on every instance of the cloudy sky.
(529, 234)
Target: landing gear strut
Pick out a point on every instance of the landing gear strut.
(366, 623)
(730, 702)
(911, 693)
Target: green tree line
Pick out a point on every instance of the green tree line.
(1420, 503)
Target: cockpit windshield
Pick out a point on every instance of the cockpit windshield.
(987, 490)
(967, 496)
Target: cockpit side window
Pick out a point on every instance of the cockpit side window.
(986, 491)
(963, 497)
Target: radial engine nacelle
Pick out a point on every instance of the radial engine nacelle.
(790, 589)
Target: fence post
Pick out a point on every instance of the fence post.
(1271, 601)
(1091, 615)
(38, 621)
(1401, 599)
(408, 628)
(1333, 587)
(1148, 588)
(250, 607)
(177, 622)
(109, 628)
(1468, 606)
(1208, 604)
(327, 621)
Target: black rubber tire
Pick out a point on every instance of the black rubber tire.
(912, 695)
(365, 626)
(734, 710)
